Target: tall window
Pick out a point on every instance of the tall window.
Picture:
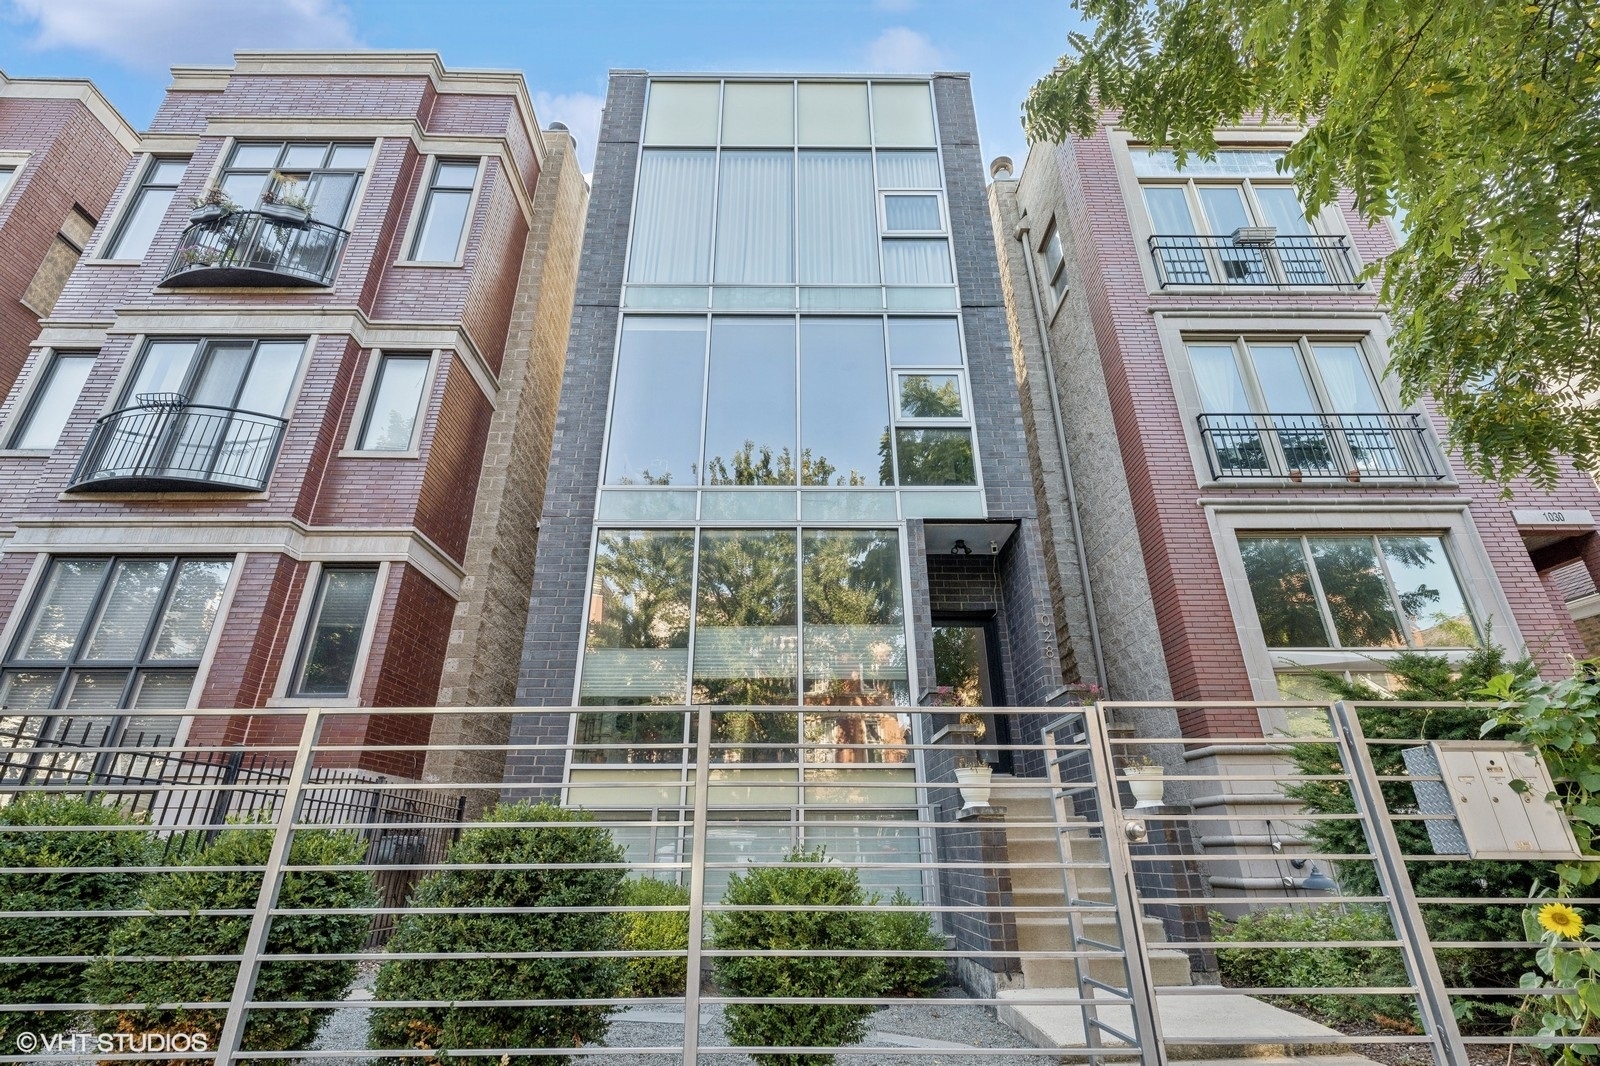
(326, 174)
(1389, 591)
(147, 206)
(332, 641)
(443, 223)
(7, 176)
(110, 633)
(394, 403)
(244, 375)
(1055, 264)
(52, 401)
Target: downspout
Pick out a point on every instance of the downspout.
(1022, 235)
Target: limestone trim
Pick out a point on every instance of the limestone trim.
(187, 534)
(1447, 517)
(1584, 606)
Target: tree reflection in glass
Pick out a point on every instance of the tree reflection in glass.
(1357, 595)
(637, 649)
(1280, 584)
(855, 644)
(746, 647)
(750, 406)
(844, 401)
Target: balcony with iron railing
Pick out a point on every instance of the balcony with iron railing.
(1350, 447)
(1256, 257)
(163, 442)
(256, 248)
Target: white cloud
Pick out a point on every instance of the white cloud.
(156, 34)
(901, 50)
(580, 112)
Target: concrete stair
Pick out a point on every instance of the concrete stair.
(1031, 839)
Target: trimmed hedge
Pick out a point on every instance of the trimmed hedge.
(654, 975)
(454, 1028)
(116, 980)
(896, 932)
(57, 887)
(822, 975)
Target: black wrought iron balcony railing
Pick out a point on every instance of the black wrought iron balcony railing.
(250, 248)
(163, 442)
(1352, 447)
(1256, 260)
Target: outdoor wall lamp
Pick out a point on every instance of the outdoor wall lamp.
(960, 548)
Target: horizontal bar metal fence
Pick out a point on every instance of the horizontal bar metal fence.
(1062, 911)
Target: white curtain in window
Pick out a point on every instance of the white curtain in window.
(755, 219)
(1349, 388)
(1217, 375)
(916, 262)
(908, 170)
(838, 219)
(672, 219)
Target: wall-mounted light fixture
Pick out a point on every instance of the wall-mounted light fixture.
(960, 548)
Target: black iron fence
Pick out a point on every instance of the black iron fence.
(1319, 445)
(163, 441)
(249, 248)
(1280, 261)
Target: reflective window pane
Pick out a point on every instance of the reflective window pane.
(304, 156)
(750, 409)
(936, 457)
(1356, 592)
(1282, 379)
(455, 175)
(854, 623)
(255, 156)
(53, 402)
(126, 608)
(682, 112)
(655, 408)
(62, 606)
(924, 342)
(1285, 599)
(930, 396)
(834, 113)
(444, 219)
(902, 114)
(191, 609)
(332, 640)
(350, 156)
(1430, 596)
(396, 400)
(266, 387)
(844, 403)
(672, 219)
(758, 113)
(637, 648)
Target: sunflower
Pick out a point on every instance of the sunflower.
(1561, 920)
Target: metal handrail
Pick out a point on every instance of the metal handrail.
(1315, 260)
(1351, 446)
(152, 445)
(248, 247)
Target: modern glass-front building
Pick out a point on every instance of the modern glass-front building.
(789, 464)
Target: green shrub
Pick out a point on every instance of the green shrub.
(1329, 966)
(456, 1028)
(824, 975)
(654, 975)
(115, 980)
(57, 887)
(897, 932)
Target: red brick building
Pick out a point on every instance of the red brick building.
(247, 448)
(1204, 377)
(62, 149)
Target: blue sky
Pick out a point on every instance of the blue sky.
(563, 47)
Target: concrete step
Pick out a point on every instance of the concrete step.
(1256, 1031)
(1168, 969)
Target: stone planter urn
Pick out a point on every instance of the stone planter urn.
(974, 784)
(1146, 784)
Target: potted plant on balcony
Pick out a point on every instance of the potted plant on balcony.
(283, 202)
(198, 255)
(973, 779)
(1143, 775)
(211, 207)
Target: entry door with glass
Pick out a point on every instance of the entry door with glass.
(963, 671)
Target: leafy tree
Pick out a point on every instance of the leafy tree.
(50, 883)
(1478, 123)
(495, 976)
(117, 979)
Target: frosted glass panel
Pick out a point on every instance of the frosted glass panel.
(902, 115)
(913, 262)
(758, 113)
(911, 214)
(908, 170)
(682, 112)
(924, 342)
(672, 218)
(755, 218)
(834, 113)
(838, 219)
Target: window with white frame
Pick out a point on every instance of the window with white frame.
(52, 400)
(1055, 264)
(1301, 407)
(443, 223)
(393, 403)
(331, 644)
(106, 634)
(1234, 220)
(147, 206)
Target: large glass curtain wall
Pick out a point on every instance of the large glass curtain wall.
(777, 195)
